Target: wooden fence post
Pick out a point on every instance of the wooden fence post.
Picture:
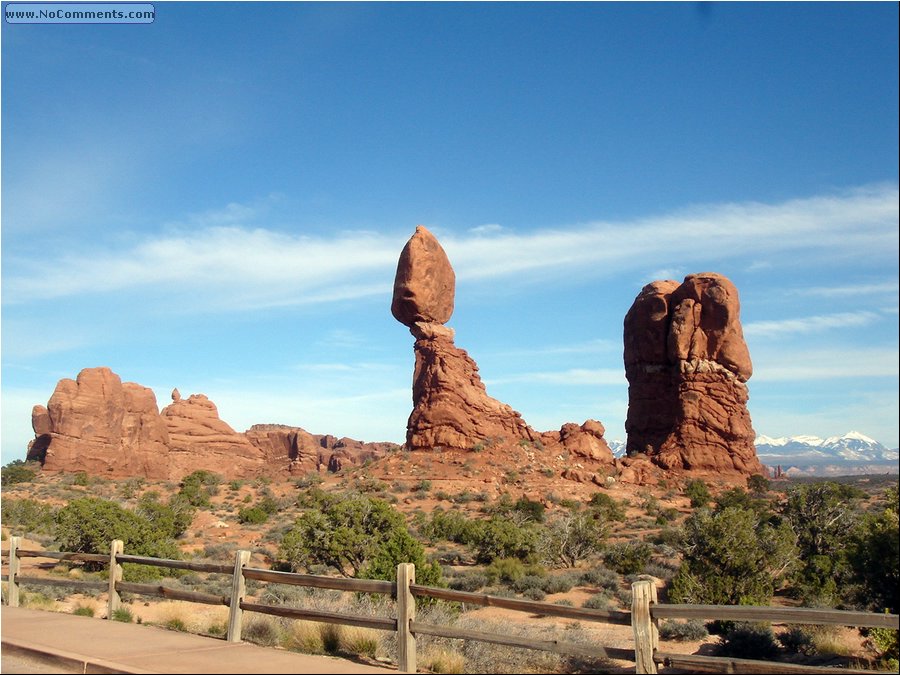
(238, 590)
(646, 630)
(115, 576)
(406, 614)
(12, 590)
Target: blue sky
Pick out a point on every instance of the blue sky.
(216, 202)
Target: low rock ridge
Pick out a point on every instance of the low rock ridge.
(102, 426)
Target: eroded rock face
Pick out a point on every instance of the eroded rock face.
(102, 426)
(200, 440)
(451, 407)
(99, 425)
(302, 452)
(687, 366)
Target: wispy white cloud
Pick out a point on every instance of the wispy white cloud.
(599, 346)
(848, 291)
(237, 267)
(675, 273)
(572, 376)
(809, 324)
(490, 228)
(825, 364)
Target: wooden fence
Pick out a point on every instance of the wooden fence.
(643, 618)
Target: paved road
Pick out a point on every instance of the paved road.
(97, 645)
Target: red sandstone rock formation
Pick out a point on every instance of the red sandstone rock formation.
(687, 365)
(305, 452)
(451, 407)
(101, 426)
(425, 284)
(200, 440)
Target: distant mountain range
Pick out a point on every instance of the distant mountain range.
(810, 455)
(852, 453)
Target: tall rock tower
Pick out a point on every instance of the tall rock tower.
(451, 408)
(687, 367)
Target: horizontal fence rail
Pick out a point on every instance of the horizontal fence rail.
(376, 622)
(63, 556)
(530, 606)
(805, 615)
(717, 664)
(212, 568)
(311, 581)
(70, 583)
(557, 646)
(643, 617)
(172, 593)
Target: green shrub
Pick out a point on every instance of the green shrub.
(83, 610)
(507, 570)
(252, 516)
(536, 594)
(89, 525)
(176, 624)
(422, 486)
(122, 614)
(797, 639)
(17, 471)
(502, 538)
(697, 491)
(822, 515)
(884, 640)
(748, 641)
(561, 583)
(356, 535)
(198, 487)
(731, 558)
(611, 510)
(683, 631)
(758, 484)
(528, 582)
(27, 516)
(471, 582)
(573, 536)
(532, 510)
(629, 557)
(597, 601)
(218, 628)
(601, 577)
(874, 557)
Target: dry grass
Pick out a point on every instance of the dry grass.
(443, 660)
(182, 615)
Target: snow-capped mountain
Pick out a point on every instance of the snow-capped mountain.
(617, 447)
(851, 447)
(810, 455)
(851, 453)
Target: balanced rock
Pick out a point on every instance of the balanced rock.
(451, 407)
(687, 366)
(102, 426)
(425, 284)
